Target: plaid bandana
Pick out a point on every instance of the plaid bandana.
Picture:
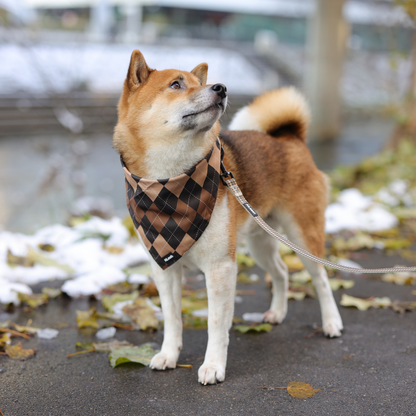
(171, 214)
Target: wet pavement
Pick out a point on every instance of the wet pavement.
(370, 370)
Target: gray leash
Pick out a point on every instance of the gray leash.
(236, 191)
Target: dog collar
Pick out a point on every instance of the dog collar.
(170, 215)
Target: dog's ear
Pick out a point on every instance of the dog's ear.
(138, 70)
(201, 72)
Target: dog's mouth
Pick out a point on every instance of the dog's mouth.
(213, 106)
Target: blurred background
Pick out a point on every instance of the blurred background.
(63, 63)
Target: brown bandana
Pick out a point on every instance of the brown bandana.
(171, 214)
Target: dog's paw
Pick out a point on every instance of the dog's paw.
(332, 327)
(274, 317)
(211, 373)
(162, 361)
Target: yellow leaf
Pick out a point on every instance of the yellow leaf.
(295, 295)
(34, 300)
(25, 329)
(5, 340)
(300, 390)
(301, 277)
(293, 262)
(340, 283)
(128, 223)
(364, 304)
(114, 249)
(405, 278)
(13, 260)
(16, 352)
(87, 318)
(245, 261)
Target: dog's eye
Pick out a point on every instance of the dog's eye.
(175, 85)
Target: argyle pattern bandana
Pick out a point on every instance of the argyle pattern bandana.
(171, 214)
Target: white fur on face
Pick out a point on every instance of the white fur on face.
(177, 133)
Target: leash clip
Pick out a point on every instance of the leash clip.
(225, 173)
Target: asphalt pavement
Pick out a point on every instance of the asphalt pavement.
(370, 370)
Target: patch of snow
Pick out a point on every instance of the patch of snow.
(47, 333)
(253, 316)
(106, 333)
(354, 211)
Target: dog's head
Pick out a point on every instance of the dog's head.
(161, 107)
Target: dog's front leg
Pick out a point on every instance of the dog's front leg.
(169, 285)
(220, 281)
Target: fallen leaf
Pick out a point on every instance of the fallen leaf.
(142, 314)
(87, 318)
(5, 339)
(150, 290)
(128, 223)
(301, 277)
(300, 390)
(5, 324)
(188, 304)
(109, 301)
(13, 260)
(25, 329)
(293, 262)
(141, 355)
(145, 269)
(113, 249)
(364, 304)
(245, 261)
(265, 327)
(43, 260)
(396, 244)
(404, 278)
(109, 346)
(123, 287)
(295, 295)
(402, 307)
(194, 322)
(358, 242)
(51, 292)
(34, 300)
(46, 247)
(84, 345)
(340, 283)
(17, 352)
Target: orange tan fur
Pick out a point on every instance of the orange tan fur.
(168, 121)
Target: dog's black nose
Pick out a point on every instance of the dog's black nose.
(220, 89)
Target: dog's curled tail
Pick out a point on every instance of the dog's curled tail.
(274, 112)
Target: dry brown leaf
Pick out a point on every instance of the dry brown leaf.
(150, 290)
(16, 352)
(402, 307)
(142, 313)
(300, 390)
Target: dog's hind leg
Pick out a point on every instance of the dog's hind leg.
(220, 281)
(309, 234)
(265, 251)
(169, 285)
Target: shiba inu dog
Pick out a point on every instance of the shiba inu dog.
(168, 122)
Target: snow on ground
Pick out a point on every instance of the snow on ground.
(94, 254)
(102, 68)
